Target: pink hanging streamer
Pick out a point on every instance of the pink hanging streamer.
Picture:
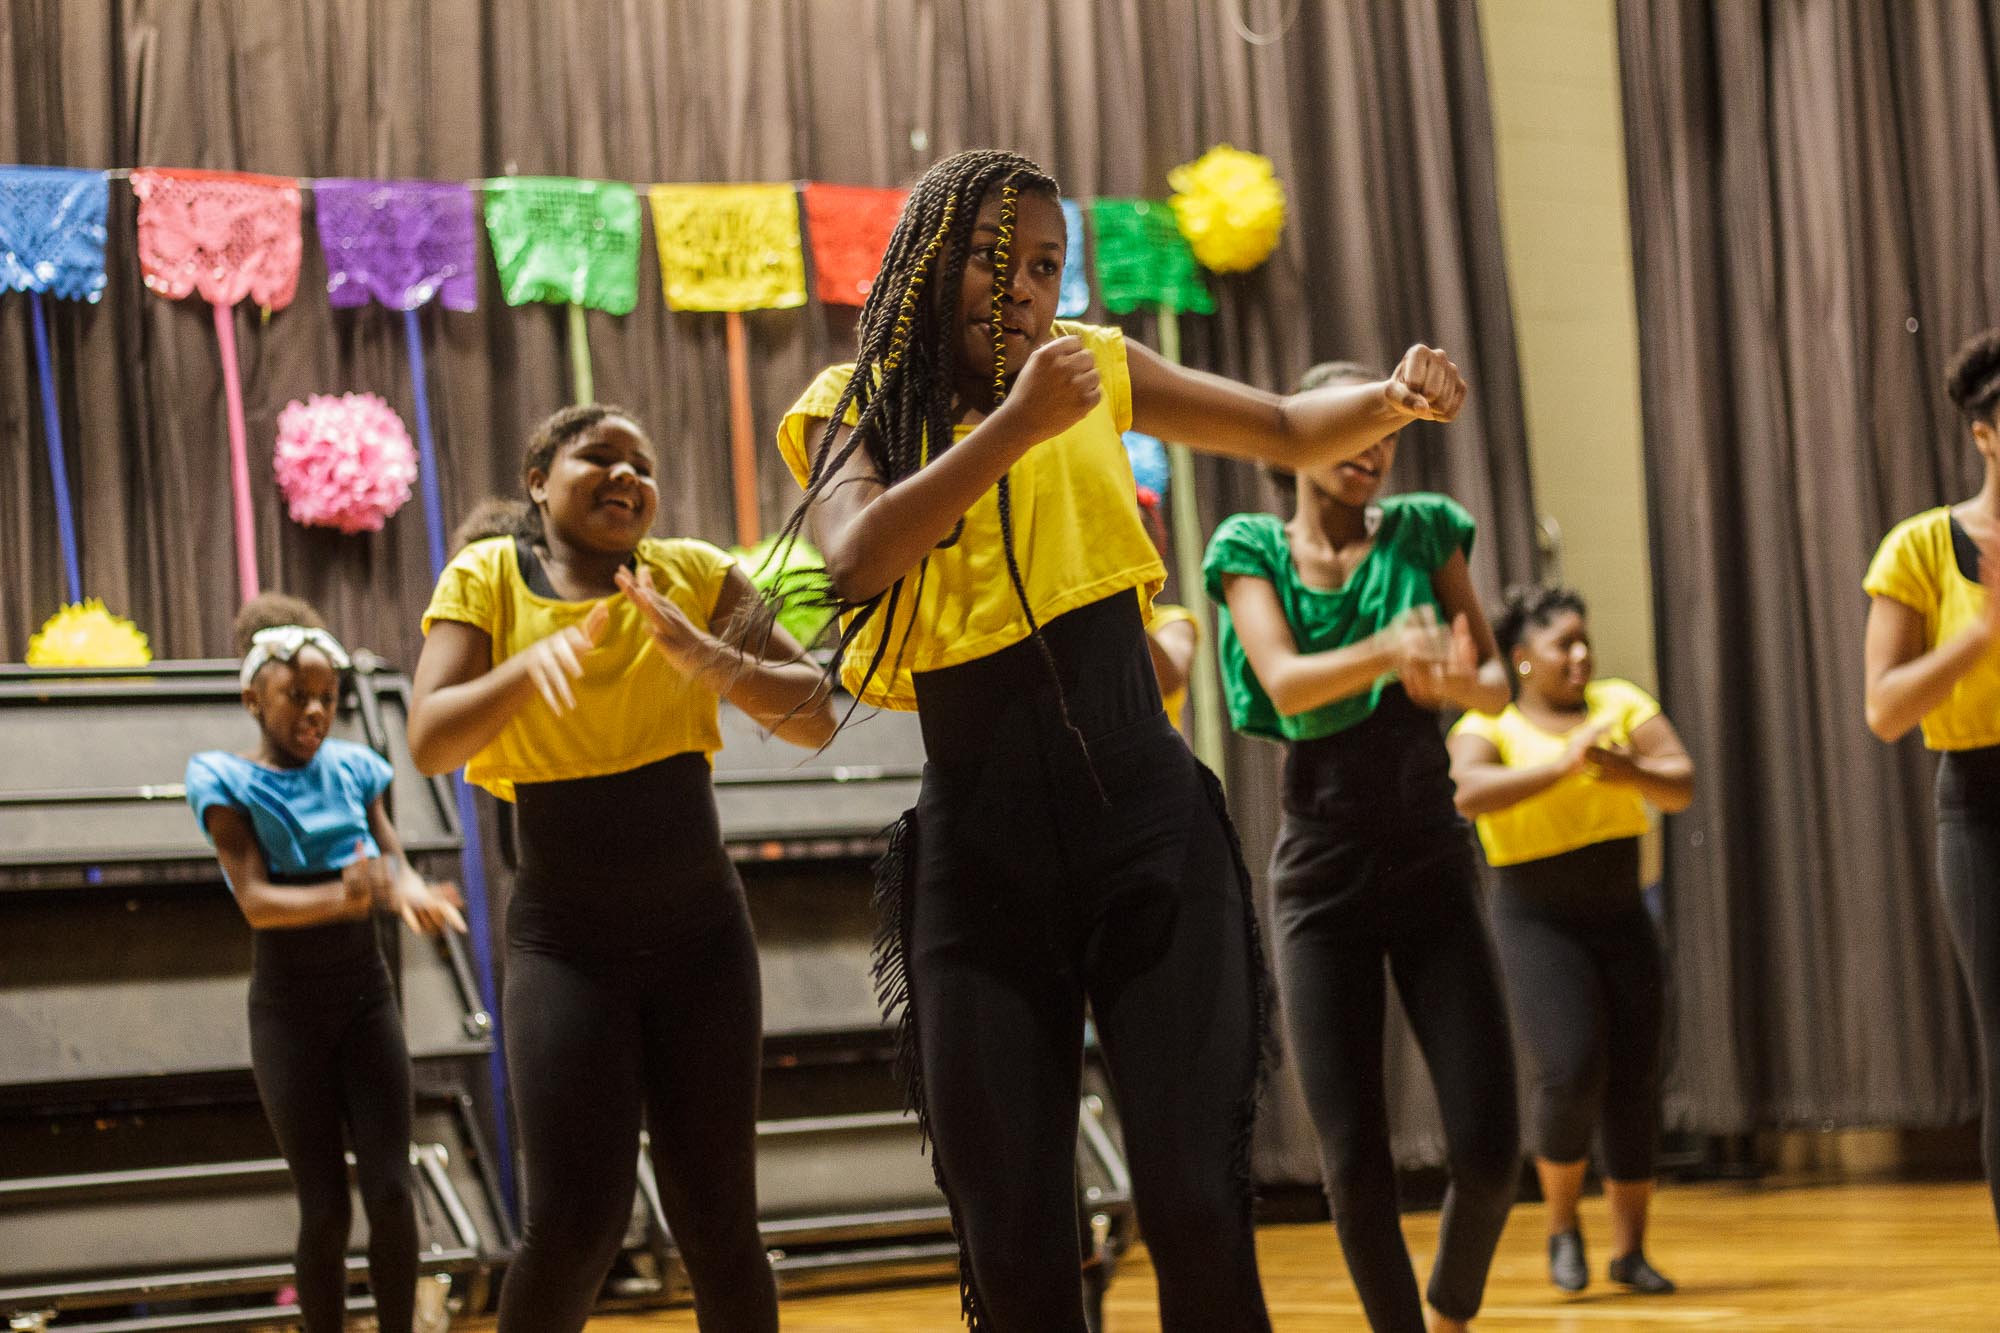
(239, 455)
(226, 235)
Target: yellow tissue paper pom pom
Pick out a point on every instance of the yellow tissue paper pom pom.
(1230, 206)
(84, 634)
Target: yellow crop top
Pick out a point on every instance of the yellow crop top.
(1077, 533)
(1581, 809)
(1915, 565)
(632, 708)
(1164, 614)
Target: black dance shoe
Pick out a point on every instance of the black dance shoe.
(1566, 1266)
(1632, 1270)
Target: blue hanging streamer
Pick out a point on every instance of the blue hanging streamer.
(58, 465)
(52, 237)
(472, 860)
(1074, 296)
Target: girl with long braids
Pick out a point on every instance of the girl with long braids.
(572, 663)
(1933, 660)
(966, 481)
(1559, 783)
(1342, 631)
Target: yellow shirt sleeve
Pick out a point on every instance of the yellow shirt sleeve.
(1903, 568)
(691, 572)
(1624, 705)
(467, 591)
(1486, 727)
(816, 404)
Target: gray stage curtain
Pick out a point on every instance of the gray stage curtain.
(1817, 226)
(1376, 114)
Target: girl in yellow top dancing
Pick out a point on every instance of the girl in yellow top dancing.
(1559, 782)
(1933, 628)
(572, 663)
(966, 481)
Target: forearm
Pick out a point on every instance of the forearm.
(1169, 667)
(1487, 693)
(451, 724)
(1486, 789)
(1902, 695)
(268, 906)
(1301, 682)
(1666, 783)
(888, 536)
(1333, 424)
(792, 698)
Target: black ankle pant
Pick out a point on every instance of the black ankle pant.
(1031, 879)
(326, 1045)
(1968, 848)
(1373, 868)
(633, 995)
(1587, 984)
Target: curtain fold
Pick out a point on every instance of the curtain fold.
(1816, 228)
(1375, 113)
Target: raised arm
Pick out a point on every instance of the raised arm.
(348, 896)
(1173, 647)
(778, 685)
(1655, 762)
(425, 908)
(1300, 682)
(1904, 681)
(1472, 676)
(459, 700)
(1319, 426)
(1486, 786)
(871, 534)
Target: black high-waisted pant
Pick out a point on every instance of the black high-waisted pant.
(1035, 874)
(633, 995)
(1374, 867)
(326, 1046)
(1968, 849)
(1588, 984)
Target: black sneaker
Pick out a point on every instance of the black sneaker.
(1566, 1266)
(1633, 1270)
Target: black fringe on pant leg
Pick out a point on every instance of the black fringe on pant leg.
(895, 881)
(1262, 994)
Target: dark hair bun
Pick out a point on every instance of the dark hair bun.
(1972, 380)
(1531, 604)
(268, 610)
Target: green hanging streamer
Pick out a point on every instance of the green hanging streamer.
(1143, 260)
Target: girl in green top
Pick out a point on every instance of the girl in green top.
(1341, 632)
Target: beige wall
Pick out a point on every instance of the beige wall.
(1553, 70)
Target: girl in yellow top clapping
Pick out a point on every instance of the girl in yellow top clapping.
(1559, 783)
(1933, 625)
(572, 663)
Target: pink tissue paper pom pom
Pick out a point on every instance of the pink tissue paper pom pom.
(344, 462)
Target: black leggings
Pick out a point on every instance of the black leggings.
(632, 994)
(326, 1045)
(1372, 866)
(1030, 880)
(1968, 845)
(1587, 983)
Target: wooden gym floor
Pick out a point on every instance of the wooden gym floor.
(1875, 1257)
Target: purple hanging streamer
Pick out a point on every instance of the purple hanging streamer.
(401, 243)
(404, 244)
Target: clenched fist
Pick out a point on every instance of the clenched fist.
(1426, 385)
(1055, 390)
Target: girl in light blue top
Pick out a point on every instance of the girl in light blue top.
(299, 826)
